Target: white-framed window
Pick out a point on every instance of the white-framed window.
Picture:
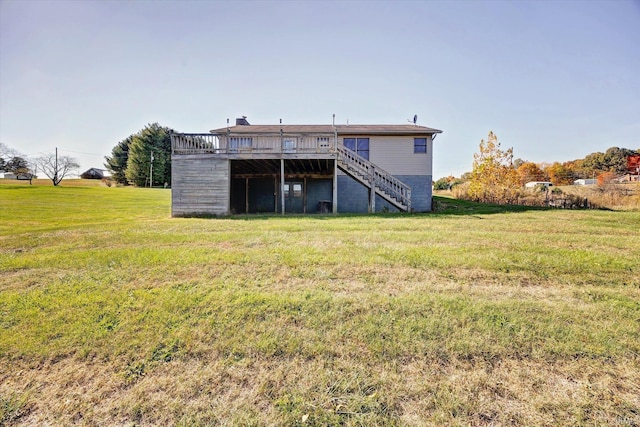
(297, 189)
(289, 144)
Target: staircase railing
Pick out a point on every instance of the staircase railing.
(384, 184)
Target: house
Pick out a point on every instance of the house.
(533, 184)
(302, 169)
(624, 179)
(26, 176)
(93, 173)
(585, 181)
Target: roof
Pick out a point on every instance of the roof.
(404, 129)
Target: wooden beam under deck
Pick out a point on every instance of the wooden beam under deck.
(287, 175)
(308, 167)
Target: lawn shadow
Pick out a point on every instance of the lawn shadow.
(441, 206)
(450, 206)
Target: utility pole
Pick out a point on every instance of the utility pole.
(151, 171)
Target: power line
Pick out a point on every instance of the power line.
(81, 152)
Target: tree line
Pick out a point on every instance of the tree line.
(499, 167)
(142, 159)
(497, 178)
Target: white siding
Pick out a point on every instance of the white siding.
(395, 155)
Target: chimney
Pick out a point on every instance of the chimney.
(242, 121)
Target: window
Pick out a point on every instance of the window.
(289, 144)
(297, 190)
(359, 145)
(419, 145)
(236, 142)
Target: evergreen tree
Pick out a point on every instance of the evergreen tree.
(152, 142)
(117, 162)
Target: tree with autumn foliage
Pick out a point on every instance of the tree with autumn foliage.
(633, 164)
(561, 174)
(606, 178)
(529, 171)
(493, 179)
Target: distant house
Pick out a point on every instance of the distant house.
(627, 178)
(585, 182)
(21, 176)
(93, 173)
(533, 184)
(302, 169)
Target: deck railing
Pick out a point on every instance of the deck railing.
(191, 143)
(194, 143)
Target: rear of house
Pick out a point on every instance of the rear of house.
(302, 169)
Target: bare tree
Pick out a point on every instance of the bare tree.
(7, 152)
(56, 168)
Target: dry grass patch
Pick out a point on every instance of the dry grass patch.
(428, 390)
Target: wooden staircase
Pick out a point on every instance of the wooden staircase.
(376, 179)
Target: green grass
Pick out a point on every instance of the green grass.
(111, 312)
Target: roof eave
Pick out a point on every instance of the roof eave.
(340, 130)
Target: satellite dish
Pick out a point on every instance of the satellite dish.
(415, 119)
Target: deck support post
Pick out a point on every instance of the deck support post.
(246, 195)
(334, 202)
(282, 185)
(372, 191)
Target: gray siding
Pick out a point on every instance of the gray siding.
(199, 185)
(353, 197)
(421, 194)
(317, 190)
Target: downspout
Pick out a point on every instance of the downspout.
(281, 169)
(334, 202)
(282, 185)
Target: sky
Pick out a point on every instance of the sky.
(555, 80)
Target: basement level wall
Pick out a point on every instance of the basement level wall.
(353, 197)
(199, 185)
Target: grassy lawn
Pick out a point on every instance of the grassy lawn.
(113, 313)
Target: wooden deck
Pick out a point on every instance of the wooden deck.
(202, 167)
